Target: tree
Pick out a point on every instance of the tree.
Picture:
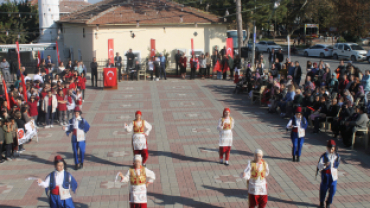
(25, 25)
(354, 17)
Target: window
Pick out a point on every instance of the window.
(340, 46)
(271, 43)
(347, 48)
(320, 47)
(356, 47)
(83, 32)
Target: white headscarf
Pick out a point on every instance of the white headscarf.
(138, 157)
(258, 151)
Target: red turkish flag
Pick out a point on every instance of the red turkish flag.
(24, 88)
(152, 47)
(217, 67)
(38, 59)
(111, 50)
(192, 46)
(6, 93)
(110, 77)
(19, 56)
(229, 47)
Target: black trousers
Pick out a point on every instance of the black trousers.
(192, 74)
(8, 148)
(94, 75)
(231, 72)
(208, 70)
(119, 77)
(150, 72)
(129, 66)
(177, 68)
(224, 75)
(202, 72)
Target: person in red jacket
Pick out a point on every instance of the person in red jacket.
(81, 83)
(72, 84)
(32, 103)
(62, 108)
(183, 66)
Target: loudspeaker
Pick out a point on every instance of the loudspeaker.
(244, 52)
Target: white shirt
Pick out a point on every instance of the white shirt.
(301, 131)
(38, 77)
(256, 186)
(150, 65)
(321, 166)
(59, 178)
(226, 136)
(147, 126)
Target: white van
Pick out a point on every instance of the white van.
(350, 51)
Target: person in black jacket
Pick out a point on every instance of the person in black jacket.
(272, 56)
(94, 72)
(331, 111)
(297, 74)
(338, 123)
(130, 60)
(280, 56)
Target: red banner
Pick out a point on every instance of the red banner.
(111, 50)
(56, 43)
(152, 47)
(6, 93)
(192, 46)
(19, 57)
(217, 67)
(24, 88)
(229, 47)
(110, 77)
(38, 59)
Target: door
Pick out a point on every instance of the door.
(313, 51)
(347, 51)
(340, 50)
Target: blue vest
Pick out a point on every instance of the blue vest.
(66, 181)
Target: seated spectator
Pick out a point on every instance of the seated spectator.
(331, 111)
(338, 123)
(320, 112)
(289, 97)
(358, 121)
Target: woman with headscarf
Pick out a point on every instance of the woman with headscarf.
(360, 96)
(225, 127)
(255, 174)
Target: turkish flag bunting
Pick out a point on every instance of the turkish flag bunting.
(229, 47)
(19, 57)
(6, 93)
(192, 46)
(38, 59)
(24, 88)
(152, 47)
(217, 67)
(111, 50)
(110, 77)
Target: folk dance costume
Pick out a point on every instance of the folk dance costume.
(78, 126)
(141, 130)
(298, 125)
(138, 178)
(59, 183)
(225, 126)
(328, 166)
(255, 175)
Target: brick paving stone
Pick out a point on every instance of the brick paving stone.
(183, 149)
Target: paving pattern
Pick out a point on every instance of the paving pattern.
(183, 149)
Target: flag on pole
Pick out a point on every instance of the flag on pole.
(192, 47)
(19, 57)
(229, 47)
(56, 44)
(24, 88)
(38, 59)
(111, 50)
(152, 47)
(6, 93)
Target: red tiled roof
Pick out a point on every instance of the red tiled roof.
(146, 12)
(66, 6)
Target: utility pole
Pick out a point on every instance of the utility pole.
(254, 37)
(239, 22)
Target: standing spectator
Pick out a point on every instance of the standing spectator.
(70, 103)
(69, 65)
(237, 66)
(118, 64)
(49, 106)
(130, 60)
(32, 103)
(78, 99)
(194, 66)
(62, 108)
(272, 56)
(81, 83)
(4, 66)
(151, 67)
(109, 64)
(177, 60)
(20, 124)
(208, 64)
(202, 65)
(297, 74)
(225, 66)
(94, 72)
(61, 69)
(280, 56)
(156, 68)
(183, 61)
(8, 141)
(163, 65)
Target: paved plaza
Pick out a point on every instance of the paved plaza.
(183, 152)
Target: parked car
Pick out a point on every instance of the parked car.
(267, 46)
(350, 51)
(321, 50)
(368, 56)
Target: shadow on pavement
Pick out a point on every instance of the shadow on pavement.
(171, 200)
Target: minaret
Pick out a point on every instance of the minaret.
(48, 15)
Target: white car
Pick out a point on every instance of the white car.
(320, 50)
(267, 46)
(350, 51)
